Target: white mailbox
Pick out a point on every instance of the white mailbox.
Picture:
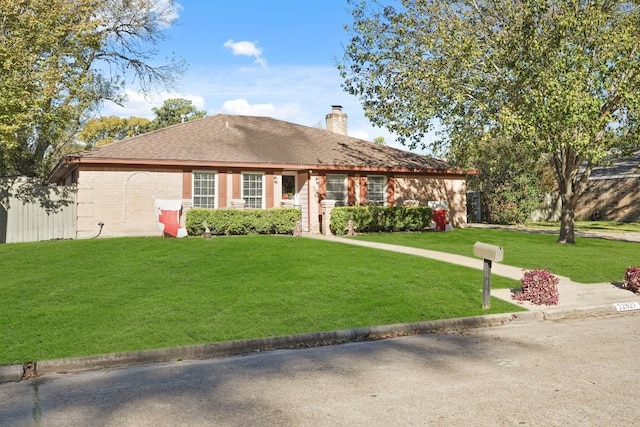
(490, 252)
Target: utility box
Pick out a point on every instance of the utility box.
(490, 252)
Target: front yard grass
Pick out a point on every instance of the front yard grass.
(608, 226)
(87, 297)
(589, 260)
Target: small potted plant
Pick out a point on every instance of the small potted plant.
(207, 231)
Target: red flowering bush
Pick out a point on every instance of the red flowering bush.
(539, 287)
(632, 280)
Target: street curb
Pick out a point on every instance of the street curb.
(14, 373)
(10, 373)
(232, 348)
(579, 312)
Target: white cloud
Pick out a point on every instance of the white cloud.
(242, 107)
(245, 48)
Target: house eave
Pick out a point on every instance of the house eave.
(61, 168)
(64, 167)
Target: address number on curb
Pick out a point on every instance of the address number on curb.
(626, 306)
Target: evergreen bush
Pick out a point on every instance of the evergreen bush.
(512, 202)
(242, 221)
(371, 219)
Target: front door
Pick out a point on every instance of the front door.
(289, 189)
(295, 190)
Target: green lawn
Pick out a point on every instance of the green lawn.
(75, 298)
(608, 226)
(589, 260)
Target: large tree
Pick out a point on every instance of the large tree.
(174, 111)
(60, 59)
(105, 130)
(559, 80)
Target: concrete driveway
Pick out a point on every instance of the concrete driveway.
(577, 372)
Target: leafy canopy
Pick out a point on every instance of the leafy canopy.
(60, 59)
(560, 80)
(105, 130)
(174, 111)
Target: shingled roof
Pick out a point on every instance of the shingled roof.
(230, 140)
(628, 167)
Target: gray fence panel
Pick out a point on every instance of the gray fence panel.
(30, 212)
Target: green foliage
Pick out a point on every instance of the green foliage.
(104, 130)
(512, 202)
(242, 221)
(60, 59)
(174, 111)
(368, 219)
(560, 81)
(513, 181)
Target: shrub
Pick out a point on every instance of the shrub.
(539, 287)
(371, 219)
(632, 279)
(239, 221)
(512, 202)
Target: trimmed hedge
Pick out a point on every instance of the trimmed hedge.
(242, 221)
(369, 219)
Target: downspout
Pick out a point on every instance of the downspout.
(309, 202)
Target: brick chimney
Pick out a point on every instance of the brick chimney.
(337, 120)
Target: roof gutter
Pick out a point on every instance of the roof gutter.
(76, 160)
(65, 165)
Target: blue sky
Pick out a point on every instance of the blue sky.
(274, 58)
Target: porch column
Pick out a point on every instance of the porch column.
(327, 207)
(391, 191)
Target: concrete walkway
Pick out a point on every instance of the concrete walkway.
(579, 298)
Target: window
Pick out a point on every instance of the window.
(336, 189)
(288, 187)
(252, 190)
(204, 190)
(375, 190)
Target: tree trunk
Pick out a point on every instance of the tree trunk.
(566, 220)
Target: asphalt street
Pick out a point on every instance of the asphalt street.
(577, 372)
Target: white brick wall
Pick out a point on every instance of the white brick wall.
(123, 201)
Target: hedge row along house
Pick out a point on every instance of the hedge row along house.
(228, 161)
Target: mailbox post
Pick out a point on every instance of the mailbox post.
(489, 253)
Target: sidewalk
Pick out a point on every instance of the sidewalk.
(576, 299)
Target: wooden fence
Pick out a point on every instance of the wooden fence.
(31, 212)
